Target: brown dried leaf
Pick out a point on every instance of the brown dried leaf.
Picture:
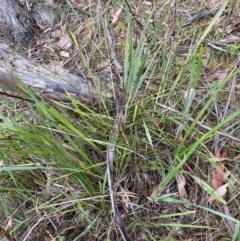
(9, 223)
(218, 171)
(142, 236)
(216, 3)
(65, 54)
(56, 33)
(125, 201)
(181, 187)
(116, 15)
(63, 27)
(220, 192)
(84, 33)
(55, 63)
(219, 23)
(147, 3)
(154, 193)
(64, 42)
(231, 38)
(234, 26)
(217, 75)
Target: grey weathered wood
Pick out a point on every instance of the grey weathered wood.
(48, 81)
(15, 22)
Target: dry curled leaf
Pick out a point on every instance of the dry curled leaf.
(217, 75)
(233, 27)
(231, 38)
(141, 236)
(216, 3)
(181, 187)
(125, 201)
(116, 15)
(64, 54)
(64, 42)
(220, 191)
(154, 194)
(218, 171)
(147, 3)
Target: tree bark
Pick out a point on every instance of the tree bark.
(16, 22)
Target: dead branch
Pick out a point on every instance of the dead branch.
(50, 82)
(119, 109)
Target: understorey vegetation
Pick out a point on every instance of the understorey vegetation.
(159, 159)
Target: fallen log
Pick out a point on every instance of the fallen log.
(51, 82)
(47, 81)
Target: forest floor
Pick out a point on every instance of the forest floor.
(176, 172)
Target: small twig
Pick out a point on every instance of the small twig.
(119, 108)
(214, 46)
(111, 42)
(110, 160)
(130, 10)
(6, 235)
(13, 95)
(32, 228)
(201, 15)
(70, 58)
(229, 222)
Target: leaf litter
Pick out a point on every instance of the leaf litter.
(181, 188)
(217, 183)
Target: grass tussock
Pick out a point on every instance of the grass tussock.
(181, 104)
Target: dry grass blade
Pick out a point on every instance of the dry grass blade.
(181, 187)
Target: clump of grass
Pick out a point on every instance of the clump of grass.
(53, 171)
